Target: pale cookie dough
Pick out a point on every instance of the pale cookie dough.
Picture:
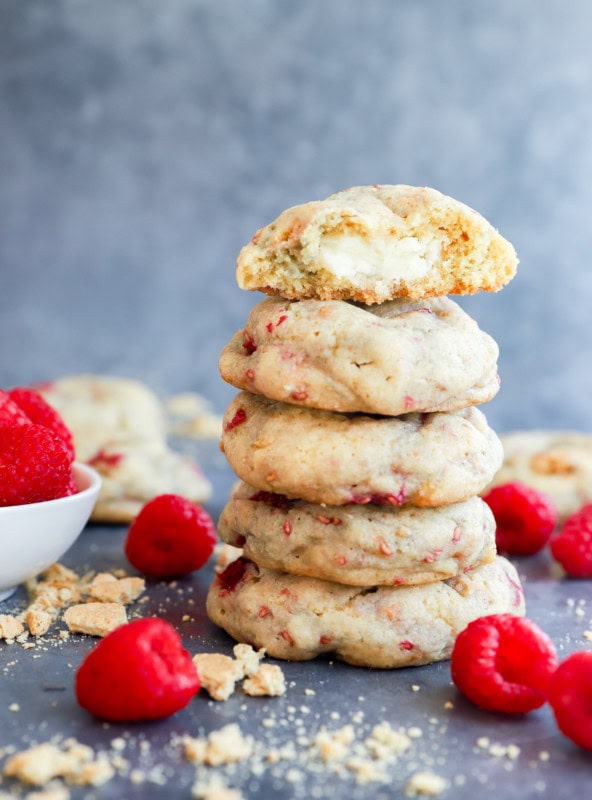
(134, 472)
(100, 409)
(392, 358)
(359, 545)
(298, 618)
(375, 243)
(326, 457)
(556, 462)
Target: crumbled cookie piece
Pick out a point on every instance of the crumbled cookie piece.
(218, 674)
(248, 658)
(109, 589)
(268, 681)
(95, 619)
(76, 764)
(384, 742)
(334, 745)
(38, 621)
(10, 626)
(425, 783)
(223, 746)
(214, 789)
(50, 793)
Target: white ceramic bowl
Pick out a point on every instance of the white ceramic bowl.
(34, 536)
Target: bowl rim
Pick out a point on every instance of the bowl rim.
(82, 473)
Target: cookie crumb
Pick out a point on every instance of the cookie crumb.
(214, 789)
(248, 658)
(106, 588)
(10, 626)
(268, 681)
(77, 764)
(223, 746)
(425, 783)
(218, 674)
(95, 619)
(385, 742)
(38, 621)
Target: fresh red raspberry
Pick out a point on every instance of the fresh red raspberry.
(170, 537)
(525, 518)
(34, 465)
(38, 410)
(139, 671)
(570, 696)
(10, 413)
(503, 663)
(572, 546)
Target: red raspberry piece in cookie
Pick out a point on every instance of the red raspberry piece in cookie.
(38, 410)
(170, 537)
(572, 546)
(570, 696)
(34, 465)
(525, 518)
(503, 663)
(10, 414)
(139, 671)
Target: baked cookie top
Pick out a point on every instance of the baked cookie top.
(100, 409)
(338, 459)
(558, 463)
(376, 243)
(136, 471)
(119, 428)
(298, 618)
(366, 545)
(393, 358)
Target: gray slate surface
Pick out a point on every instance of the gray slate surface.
(142, 143)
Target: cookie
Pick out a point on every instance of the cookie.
(327, 457)
(119, 427)
(298, 618)
(390, 359)
(134, 472)
(556, 462)
(359, 545)
(100, 409)
(375, 243)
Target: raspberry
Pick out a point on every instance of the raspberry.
(525, 518)
(10, 413)
(139, 671)
(170, 537)
(572, 546)
(38, 410)
(234, 574)
(570, 696)
(239, 418)
(34, 465)
(503, 663)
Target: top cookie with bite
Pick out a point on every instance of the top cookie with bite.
(376, 243)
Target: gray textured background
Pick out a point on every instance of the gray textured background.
(142, 143)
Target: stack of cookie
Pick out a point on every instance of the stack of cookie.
(360, 450)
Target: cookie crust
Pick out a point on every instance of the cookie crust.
(297, 618)
(393, 358)
(338, 459)
(375, 243)
(359, 545)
